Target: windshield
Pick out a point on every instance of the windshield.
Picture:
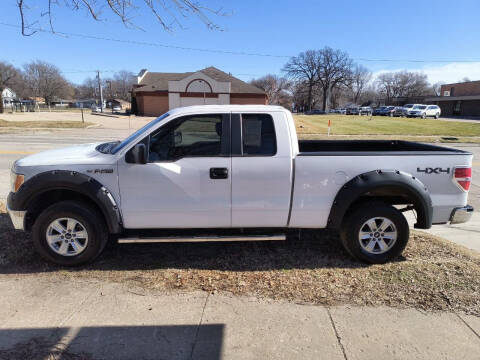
(408, 106)
(125, 142)
(420, 107)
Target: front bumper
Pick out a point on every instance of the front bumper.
(461, 215)
(18, 218)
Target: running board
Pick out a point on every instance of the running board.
(168, 239)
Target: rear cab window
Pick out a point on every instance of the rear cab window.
(258, 135)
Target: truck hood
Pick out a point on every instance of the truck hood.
(74, 155)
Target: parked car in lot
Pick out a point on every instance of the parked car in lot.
(96, 108)
(391, 111)
(424, 111)
(117, 108)
(379, 110)
(399, 111)
(408, 107)
(315, 112)
(352, 111)
(365, 110)
(234, 172)
(341, 111)
(385, 111)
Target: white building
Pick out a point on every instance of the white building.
(8, 97)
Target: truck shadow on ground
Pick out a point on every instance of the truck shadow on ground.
(113, 342)
(302, 250)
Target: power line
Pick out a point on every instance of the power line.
(226, 52)
(135, 42)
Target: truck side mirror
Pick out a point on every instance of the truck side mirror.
(137, 154)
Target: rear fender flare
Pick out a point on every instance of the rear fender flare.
(393, 180)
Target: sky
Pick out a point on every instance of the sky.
(443, 34)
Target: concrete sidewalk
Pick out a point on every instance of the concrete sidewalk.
(466, 234)
(111, 321)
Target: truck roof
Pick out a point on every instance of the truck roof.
(225, 108)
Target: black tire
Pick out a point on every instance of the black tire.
(437, 115)
(89, 218)
(424, 116)
(352, 225)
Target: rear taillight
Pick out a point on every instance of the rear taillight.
(463, 177)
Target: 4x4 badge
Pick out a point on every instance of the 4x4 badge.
(436, 170)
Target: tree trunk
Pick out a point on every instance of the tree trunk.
(309, 99)
(1, 100)
(326, 94)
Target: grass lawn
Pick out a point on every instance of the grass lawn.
(43, 124)
(312, 126)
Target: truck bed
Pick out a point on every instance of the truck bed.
(372, 147)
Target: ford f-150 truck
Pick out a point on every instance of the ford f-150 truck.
(234, 172)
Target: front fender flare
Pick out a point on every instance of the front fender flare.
(72, 181)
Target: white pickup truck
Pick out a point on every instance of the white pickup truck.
(226, 173)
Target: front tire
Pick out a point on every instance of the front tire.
(69, 233)
(375, 233)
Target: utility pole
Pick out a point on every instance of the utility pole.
(100, 90)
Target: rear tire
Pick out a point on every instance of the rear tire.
(437, 115)
(69, 233)
(375, 233)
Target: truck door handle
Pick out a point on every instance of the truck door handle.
(218, 173)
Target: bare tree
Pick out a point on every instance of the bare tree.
(277, 89)
(167, 12)
(304, 68)
(122, 84)
(402, 84)
(437, 87)
(360, 79)
(45, 80)
(334, 69)
(8, 75)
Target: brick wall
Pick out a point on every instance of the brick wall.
(240, 99)
(152, 105)
(462, 89)
(467, 108)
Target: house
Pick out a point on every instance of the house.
(62, 103)
(156, 93)
(8, 97)
(460, 99)
(122, 104)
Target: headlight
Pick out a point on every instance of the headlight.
(16, 180)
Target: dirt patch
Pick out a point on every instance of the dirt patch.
(310, 267)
